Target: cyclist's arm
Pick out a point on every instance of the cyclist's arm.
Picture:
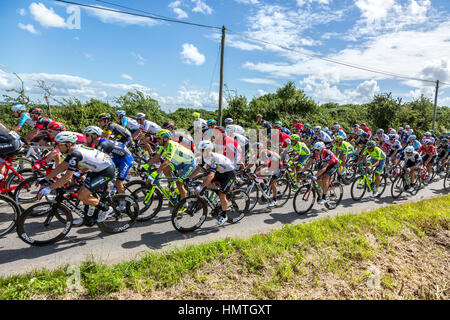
(30, 135)
(321, 171)
(66, 178)
(17, 129)
(60, 168)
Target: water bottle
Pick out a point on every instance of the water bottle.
(112, 192)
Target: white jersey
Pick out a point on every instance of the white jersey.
(242, 141)
(132, 124)
(219, 163)
(150, 126)
(199, 123)
(90, 158)
(235, 128)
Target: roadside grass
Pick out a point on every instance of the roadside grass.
(328, 258)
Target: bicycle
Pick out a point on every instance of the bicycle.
(366, 182)
(305, 197)
(9, 212)
(12, 177)
(194, 208)
(402, 183)
(48, 222)
(447, 181)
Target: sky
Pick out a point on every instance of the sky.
(89, 53)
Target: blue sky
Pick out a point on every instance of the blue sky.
(108, 54)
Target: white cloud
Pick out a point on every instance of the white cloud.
(120, 18)
(76, 38)
(88, 55)
(181, 14)
(201, 7)
(261, 81)
(247, 1)
(301, 3)
(22, 12)
(46, 17)
(191, 55)
(28, 28)
(139, 59)
(126, 76)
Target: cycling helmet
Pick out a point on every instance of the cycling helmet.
(66, 137)
(428, 142)
(380, 131)
(319, 146)
(196, 115)
(371, 144)
(444, 140)
(34, 111)
(228, 120)
(338, 138)
(278, 122)
(412, 137)
(163, 133)
(409, 149)
(427, 134)
(120, 113)
(307, 125)
(93, 130)
(407, 126)
(392, 131)
(295, 120)
(104, 115)
(211, 122)
(259, 116)
(205, 145)
(168, 125)
(392, 136)
(277, 125)
(363, 125)
(295, 137)
(337, 126)
(325, 129)
(317, 128)
(356, 125)
(18, 107)
(400, 129)
(56, 126)
(140, 115)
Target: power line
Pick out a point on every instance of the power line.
(141, 15)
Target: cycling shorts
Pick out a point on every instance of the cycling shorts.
(97, 181)
(224, 180)
(123, 166)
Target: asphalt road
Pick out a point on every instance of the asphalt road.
(85, 243)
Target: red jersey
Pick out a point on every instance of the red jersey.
(327, 156)
(430, 150)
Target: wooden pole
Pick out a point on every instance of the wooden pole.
(222, 51)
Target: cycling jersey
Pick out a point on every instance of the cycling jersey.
(360, 142)
(119, 132)
(324, 137)
(341, 133)
(130, 124)
(90, 158)
(25, 118)
(416, 144)
(396, 145)
(264, 125)
(42, 123)
(9, 144)
(184, 139)
(229, 148)
(149, 126)
(199, 123)
(300, 148)
(285, 140)
(384, 138)
(113, 148)
(376, 154)
(270, 159)
(429, 150)
(327, 156)
(286, 130)
(237, 129)
(345, 146)
(241, 140)
(308, 132)
(413, 159)
(298, 126)
(219, 163)
(175, 153)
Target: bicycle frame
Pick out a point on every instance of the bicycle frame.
(165, 192)
(9, 166)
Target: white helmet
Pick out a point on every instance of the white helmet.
(66, 137)
(205, 145)
(140, 115)
(319, 145)
(120, 113)
(230, 129)
(409, 149)
(93, 130)
(18, 107)
(317, 128)
(228, 120)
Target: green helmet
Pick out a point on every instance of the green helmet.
(164, 133)
(307, 125)
(371, 144)
(278, 122)
(196, 115)
(295, 137)
(338, 138)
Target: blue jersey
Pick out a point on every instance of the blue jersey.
(25, 118)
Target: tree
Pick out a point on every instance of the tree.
(47, 93)
(22, 98)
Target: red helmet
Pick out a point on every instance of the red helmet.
(168, 125)
(35, 111)
(56, 126)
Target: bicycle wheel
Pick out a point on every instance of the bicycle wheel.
(131, 186)
(398, 186)
(304, 199)
(9, 212)
(20, 163)
(350, 173)
(335, 194)
(120, 221)
(382, 186)
(447, 181)
(189, 214)
(358, 188)
(149, 206)
(27, 192)
(283, 192)
(252, 192)
(13, 180)
(52, 224)
(394, 172)
(240, 203)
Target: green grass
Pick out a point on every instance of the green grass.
(336, 243)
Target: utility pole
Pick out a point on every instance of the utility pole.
(435, 103)
(222, 50)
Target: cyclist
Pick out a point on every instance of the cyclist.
(367, 130)
(428, 152)
(226, 145)
(320, 135)
(395, 149)
(25, 118)
(271, 165)
(381, 138)
(297, 126)
(377, 160)
(110, 128)
(241, 140)
(221, 171)
(236, 128)
(197, 123)
(146, 132)
(174, 158)
(412, 161)
(121, 156)
(328, 166)
(428, 136)
(307, 132)
(262, 124)
(344, 150)
(182, 137)
(10, 143)
(412, 141)
(39, 132)
(444, 152)
(338, 131)
(127, 122)
(361, 142)
(283, 139)
(100, 168)
(300, 154)
(280, 127)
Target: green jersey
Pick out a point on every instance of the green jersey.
(176, 153)
(376, 154)
(345, 146)
(300, 148)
